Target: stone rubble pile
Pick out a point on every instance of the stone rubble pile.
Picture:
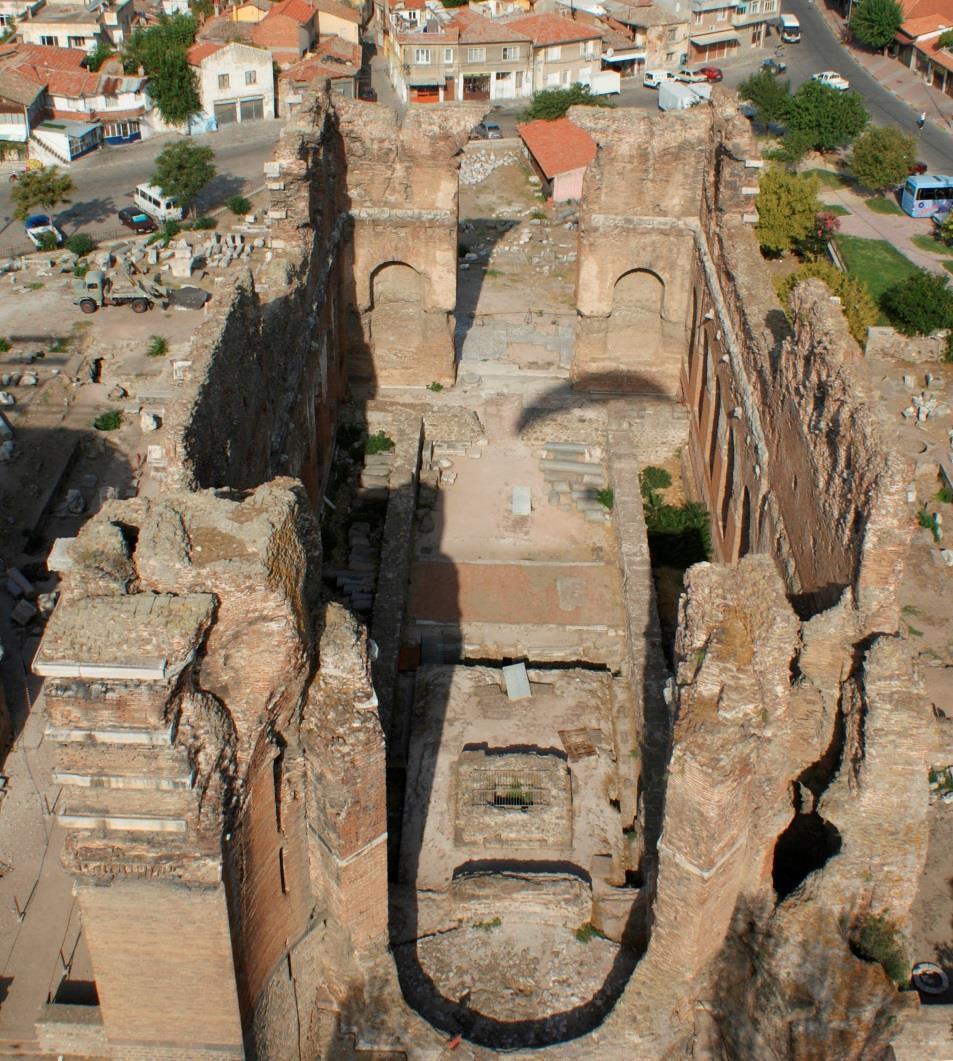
(924, 405)
(358, 581)
(575, 474)
(476, 166)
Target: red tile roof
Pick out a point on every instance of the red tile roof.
(298, 10)
(939, 55)
(477, 29)
(558, 146)
(552, 29)
(201, 51)
(41, 56)
(924, 16)
(332, 58)
(342, 11)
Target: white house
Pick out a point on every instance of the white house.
(236, 83)
(58, 25)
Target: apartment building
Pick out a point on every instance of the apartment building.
(466, 57)
(564, 51)
(725, 30)
(76, 26)
(236, 83)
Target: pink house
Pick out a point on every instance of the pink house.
(560, 152)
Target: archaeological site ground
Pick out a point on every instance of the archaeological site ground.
(504, 645)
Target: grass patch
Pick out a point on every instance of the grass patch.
(435, 387)
(538, 215)
(927, 243)
(827, 178)
(158, 346)
(108, 421)
(913, 631)
(606, 497)
(34, 285)
(836, 209)
(881, 205)
(492, 272)
(911, 609)
(875, 262)
(948, 265)
(586, 932)
(378, 443)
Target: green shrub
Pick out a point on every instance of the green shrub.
(59, 345)
(928, 522)
(80, 244)
(538, 215)
(435, 387)
(239, 205)
(653, 478)
(204, 222)
(606, 497)
(158, 346)
(48, 241)
(876, 939)
(378, 443)
(168, 231)
(944, 495)
(486, 926)
(81, 268)
(108, 421)
(4, 345)
(921, 304)
(588, 931)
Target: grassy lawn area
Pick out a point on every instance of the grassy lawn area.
(880, 205)
(874, 261)
(948, 265)
(932, 246)
(827, 178)
(836, 209)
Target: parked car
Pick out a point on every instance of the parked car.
(832, 79)
(132, 217)
(773, 66)
(486, 131)
(39, 226)
(711, 73)
(654, 78)
(367, 93)
(690, 77)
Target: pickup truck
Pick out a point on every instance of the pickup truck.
(832, 79)
(95, 290)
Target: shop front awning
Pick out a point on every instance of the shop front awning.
(709, 39)
(623, 57)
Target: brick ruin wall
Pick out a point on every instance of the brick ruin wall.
(298, 885)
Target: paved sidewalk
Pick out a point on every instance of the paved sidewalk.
(896, 229)
(904, 83)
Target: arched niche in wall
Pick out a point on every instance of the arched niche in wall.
(396, 313)
(635, 326)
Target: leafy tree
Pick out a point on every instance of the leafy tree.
(787, 209)
(814, 244)
(99, 54)
(183, 169)
(945, 40)
(946, 230)
(883, 157)
(770, 96)
(830, 118)
(855, 297)
(45, 187)
(201, 9)
(875, 22)
(920, 305)
(793, 147)
(551, 103)
(160, 51)
(80, 244)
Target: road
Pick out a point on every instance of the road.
(105, 179)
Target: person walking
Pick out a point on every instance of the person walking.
(921, 119)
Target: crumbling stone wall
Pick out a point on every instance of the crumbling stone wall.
(212, 779)
(402, 191)
(266, 371)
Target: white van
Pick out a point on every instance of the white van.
(790, 29)
(654, 78)
(150, 199)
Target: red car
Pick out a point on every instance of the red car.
(918, 168)
(711, 73)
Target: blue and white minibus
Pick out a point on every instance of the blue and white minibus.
(924, 195)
